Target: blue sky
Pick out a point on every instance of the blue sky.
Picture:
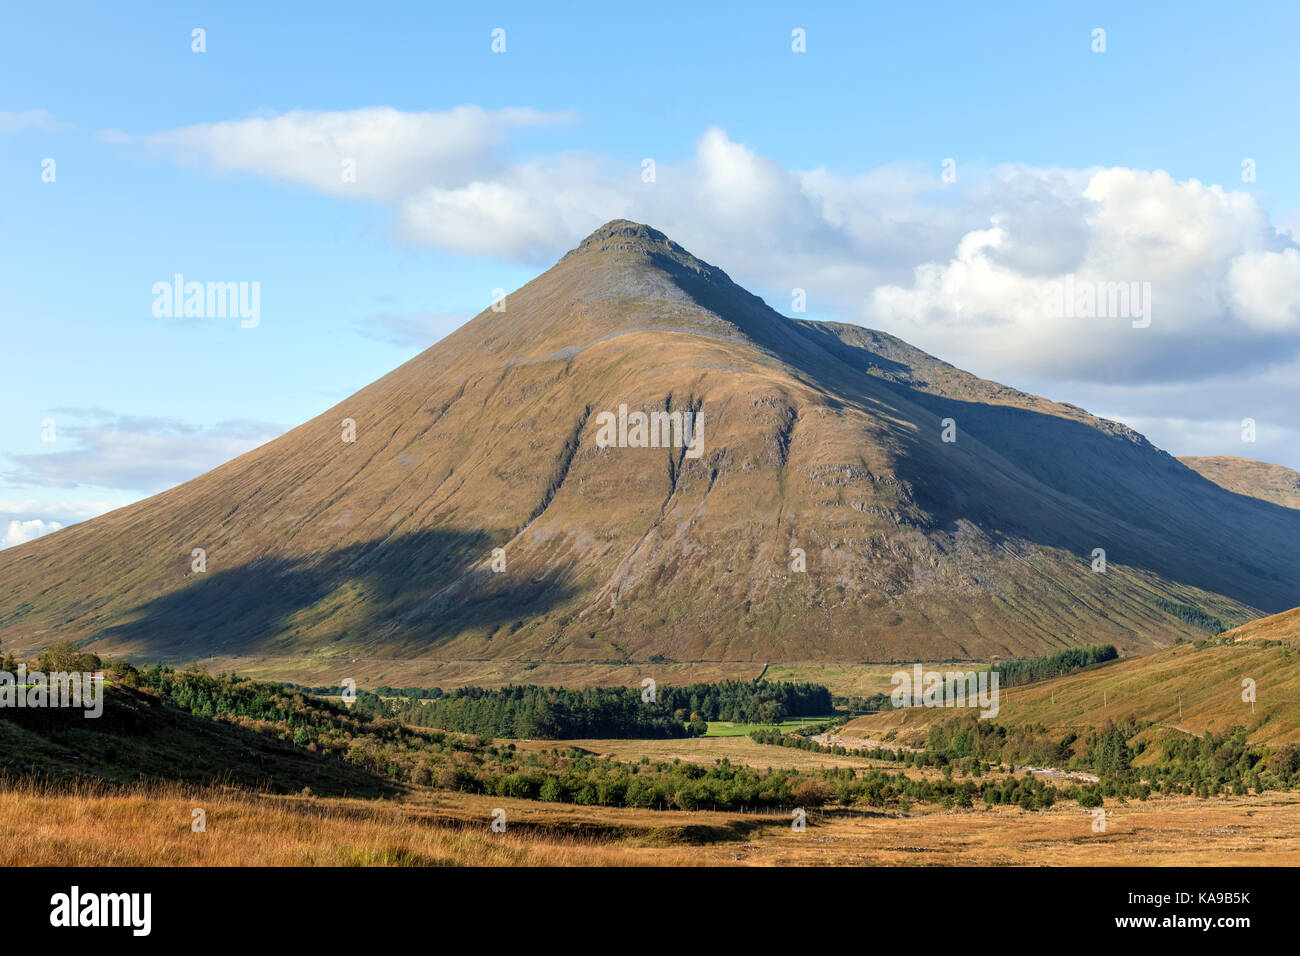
(476, 170)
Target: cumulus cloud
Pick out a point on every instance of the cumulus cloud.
(968, 273)
(140, 453)
(1220, 281)
(20, 531)
(1265, 289)
(28, 518)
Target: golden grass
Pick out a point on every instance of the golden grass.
(1182, 688)
(1275, 627)
(1181, 831)
(853, 679)
(95, 825)
(1246, 476)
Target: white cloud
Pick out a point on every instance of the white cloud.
(394, 153)
(20, 531)
(1221, 280)
(1265, 289)
(527, 213)
(31, 517)
(965, 273)
(146, 454)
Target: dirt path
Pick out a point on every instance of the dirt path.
(1053, 773)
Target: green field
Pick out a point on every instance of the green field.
(725, 728)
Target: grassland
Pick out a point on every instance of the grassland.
(86, 826)
(422, 672)
(93, 825)
(316, 815)
(727, 728)
(1245, 476)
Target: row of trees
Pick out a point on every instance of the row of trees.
(1030, 669)
(549, 713)
(1191, 614)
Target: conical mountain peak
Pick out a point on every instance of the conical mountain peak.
(623, 236)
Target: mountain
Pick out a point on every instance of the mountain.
(1245, 476)
(824, 437)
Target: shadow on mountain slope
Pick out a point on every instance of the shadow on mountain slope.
(1115, 491)
(431, 585)
(1112, 490)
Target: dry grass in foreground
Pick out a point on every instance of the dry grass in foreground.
(1261, 830)
(94, 825)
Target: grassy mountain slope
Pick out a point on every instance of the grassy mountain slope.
(1192, 688)
(1246, 476)
(819, 436)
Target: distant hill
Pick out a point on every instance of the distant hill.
(1275, 627)
(1193, 688)
(824, 437)
(1245, 476)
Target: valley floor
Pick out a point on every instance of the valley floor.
(151, 826)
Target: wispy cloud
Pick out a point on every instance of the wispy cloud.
(377, 153)
(419, 329)
(141, 453)
(30, 119)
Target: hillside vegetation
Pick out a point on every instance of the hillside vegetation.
(1197, 687)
